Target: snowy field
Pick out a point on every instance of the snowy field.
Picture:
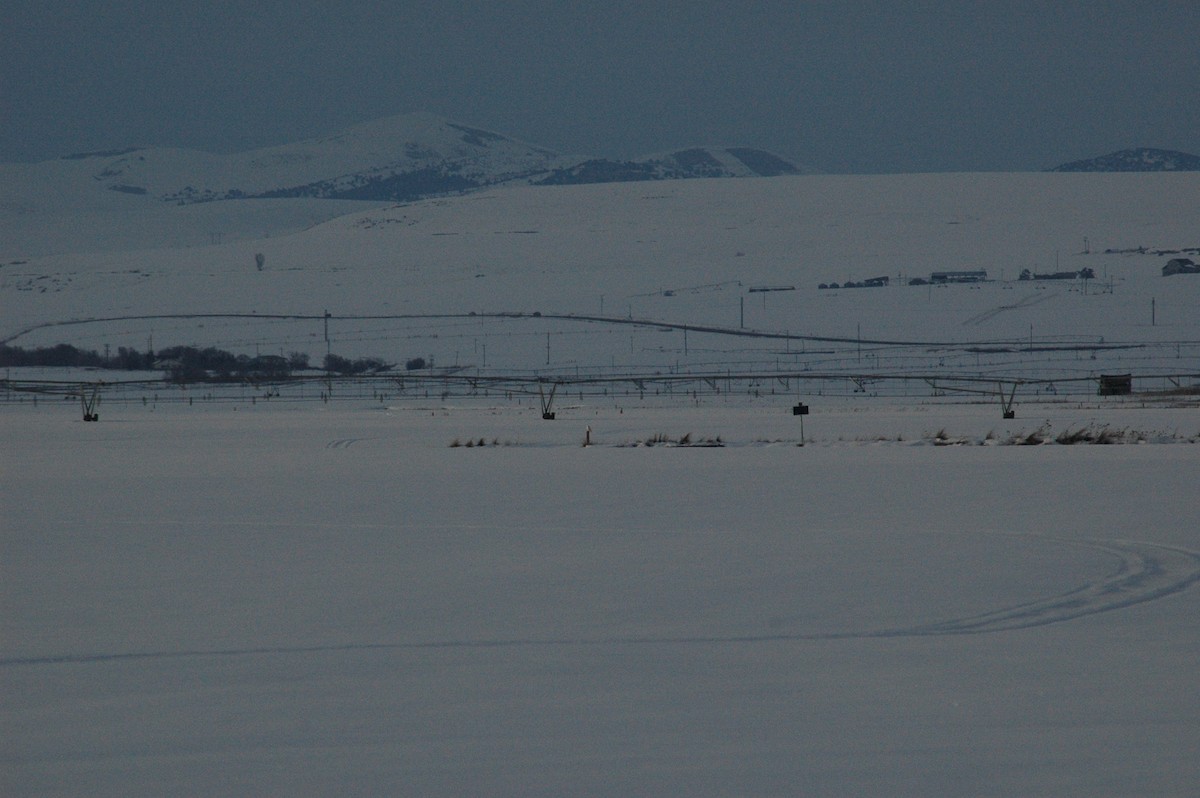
(314, 598)
(422, 587)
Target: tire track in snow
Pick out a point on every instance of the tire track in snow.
(1024, 302)
(1145, 572)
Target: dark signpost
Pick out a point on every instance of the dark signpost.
(801, 410)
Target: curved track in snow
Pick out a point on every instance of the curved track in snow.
(1144, 572)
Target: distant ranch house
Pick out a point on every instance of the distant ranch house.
(870, 282)
(1180, 266)
(1082, 274)
(958, 277)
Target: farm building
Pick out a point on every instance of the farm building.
(1180, 266)
(1116, 384)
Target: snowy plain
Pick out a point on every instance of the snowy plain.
(296, 599)
(290, 596)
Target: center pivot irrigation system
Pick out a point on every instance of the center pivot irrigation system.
(927, 376)
(547, 389)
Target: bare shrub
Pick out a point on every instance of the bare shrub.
(1038, 436)
(1070, 437)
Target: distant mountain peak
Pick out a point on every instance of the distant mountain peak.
(1140, 159)
(418, 127)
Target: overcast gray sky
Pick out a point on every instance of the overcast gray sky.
(840, 87)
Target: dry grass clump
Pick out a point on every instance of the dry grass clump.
(662, 439)
(1090, 434)
(1097, 434)
(1035, 438)
(942, 438)
(1104, 435)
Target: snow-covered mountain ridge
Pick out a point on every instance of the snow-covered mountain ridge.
(399, 158)
(1140, 159)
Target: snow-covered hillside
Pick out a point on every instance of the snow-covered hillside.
(187, 198)
(743, 255)
(386, 149)
(98, 197)
(169, 197)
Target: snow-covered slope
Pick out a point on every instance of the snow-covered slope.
(697, 252)
(93, 201)
(433, 154)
